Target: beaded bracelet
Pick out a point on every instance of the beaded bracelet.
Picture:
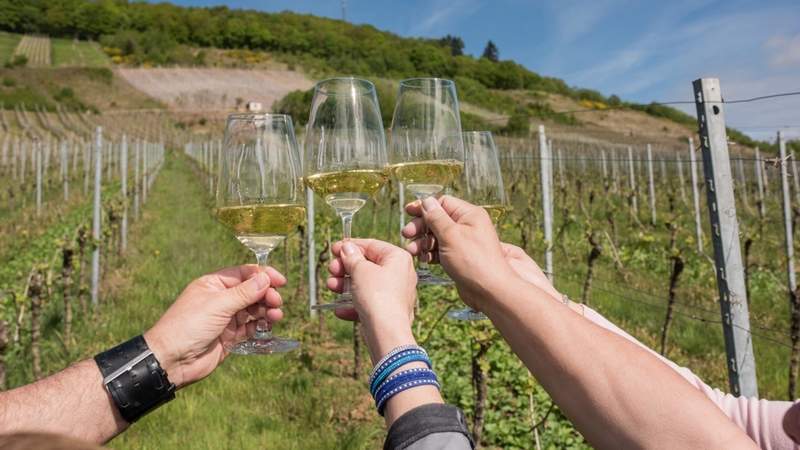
(402, 360)
(392, 356)
(400, 384)
(405, 375)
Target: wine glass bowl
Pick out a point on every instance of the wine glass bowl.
(260, 200)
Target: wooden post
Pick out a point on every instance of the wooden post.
(742, 180)
(123, 173)
(546, 177)
(632, 182)
(651, 185)
(98, 175)
(760, 183)
(725, 235)
(698, 223)
(312, 253)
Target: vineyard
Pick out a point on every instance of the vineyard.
(108, 173)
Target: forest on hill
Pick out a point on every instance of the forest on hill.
(138, 33)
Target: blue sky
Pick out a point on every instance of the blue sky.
(639, 50)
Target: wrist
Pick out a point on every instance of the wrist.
(512, 293)
(167, 359)
(382, 337)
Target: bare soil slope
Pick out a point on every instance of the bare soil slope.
(212, 89)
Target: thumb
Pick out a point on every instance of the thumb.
(436, 218)
(351, 257)
(244, 294)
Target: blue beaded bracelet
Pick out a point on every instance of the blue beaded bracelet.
(400, 377)
(403, 359)
(400, 384)
(393, 356)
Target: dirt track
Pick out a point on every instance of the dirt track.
(214, 89)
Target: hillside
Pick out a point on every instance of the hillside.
(137, 33)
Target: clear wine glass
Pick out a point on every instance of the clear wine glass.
(345, 152)
(260, 199)
(484, 187)
(426, 153)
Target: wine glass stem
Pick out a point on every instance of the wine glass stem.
(347, 226)
(422, 259)
(263, 327)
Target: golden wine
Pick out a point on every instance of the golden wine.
(496, 212)
(428, 177)
(262, 219)
(364, 181)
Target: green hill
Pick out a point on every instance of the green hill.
(138, 33)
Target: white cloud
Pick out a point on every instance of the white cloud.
(784, 50)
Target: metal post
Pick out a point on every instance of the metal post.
(98, 175)
(652, 188)
(145, 172)
(604, 166)
(681, 179)
(561, 179)
(37, 154)
(725, 235)
(760, 182)
(742, 181)
(795, 179)
(311, 252)
(87, 160)
(123, 173)
(614, 172)
(787, 221)
(698, 223)
(546, 171)
(137, 182)
(632, 182)
(65, 169)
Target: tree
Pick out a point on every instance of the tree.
(491, 52)
(455, 43)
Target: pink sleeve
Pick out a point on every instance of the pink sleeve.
(760, 419)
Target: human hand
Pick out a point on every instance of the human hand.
(465, 243)
(214, 311)
(384, 288)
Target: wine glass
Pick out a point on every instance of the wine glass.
(426, 153)
(345, 152)
(260, 199)
(484, 187)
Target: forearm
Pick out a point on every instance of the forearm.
(617, 394)
(72, 402)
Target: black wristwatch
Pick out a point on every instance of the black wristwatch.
(134, 378)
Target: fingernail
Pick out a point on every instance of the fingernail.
(262, 280)
(430, 203)
(349, 248)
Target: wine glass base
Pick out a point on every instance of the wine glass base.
(466, 314)
(343, 301)
(429, 279)
(268, 346)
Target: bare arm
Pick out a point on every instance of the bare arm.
(189, 341)
(616, 393)
(71, 402)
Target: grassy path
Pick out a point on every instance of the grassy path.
(299, 401)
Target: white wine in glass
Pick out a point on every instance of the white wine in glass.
(345, 153)
(426, 153)
(483, 179)
(260, 199)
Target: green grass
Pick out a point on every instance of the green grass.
(8, 43)
(73, 53)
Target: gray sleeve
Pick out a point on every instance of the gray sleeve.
(430, 427)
